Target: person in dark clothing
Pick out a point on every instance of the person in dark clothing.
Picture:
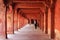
(35, 26)
(35, 22)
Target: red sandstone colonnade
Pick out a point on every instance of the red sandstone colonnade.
(15, 15)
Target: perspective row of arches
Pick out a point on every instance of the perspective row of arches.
(51, 5)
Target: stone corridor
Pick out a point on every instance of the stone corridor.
(28, 32)
(17, 17)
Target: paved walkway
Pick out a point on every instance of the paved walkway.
(28, 33)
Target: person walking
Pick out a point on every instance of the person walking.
(35, 23)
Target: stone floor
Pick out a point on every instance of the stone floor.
(28, 33)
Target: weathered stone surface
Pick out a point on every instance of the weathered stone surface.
(2, 18)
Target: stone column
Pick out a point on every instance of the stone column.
(6, 7)
(17, 21)
(18, 17)
(53, 18)
(46, 20)
(6, 21)
(13, 20)
(42, 19)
